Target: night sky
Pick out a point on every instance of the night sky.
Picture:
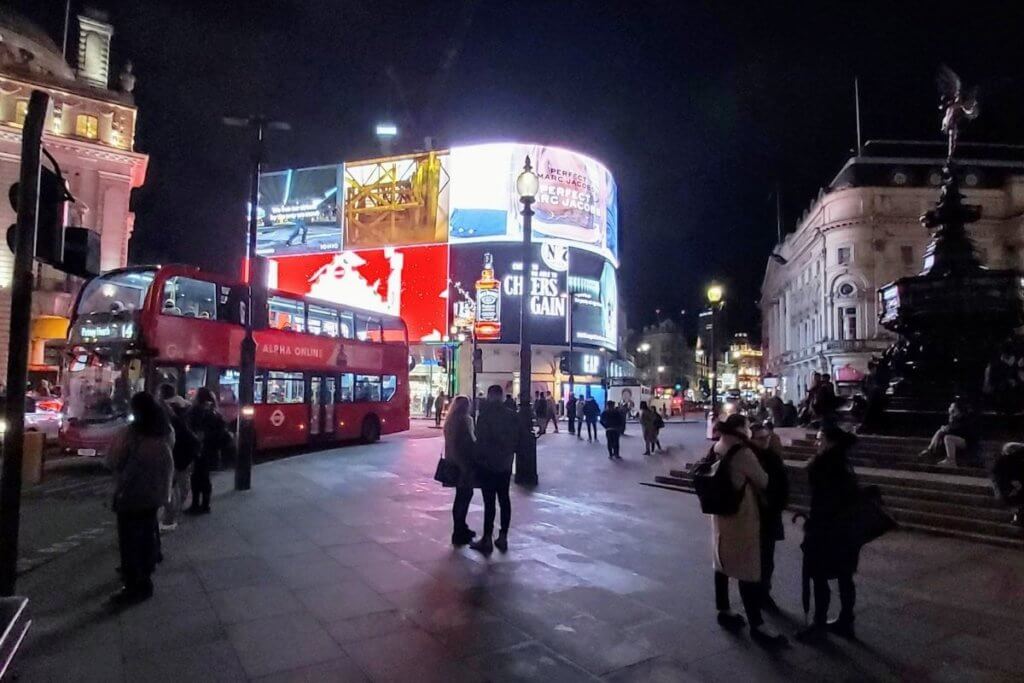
(698, 109)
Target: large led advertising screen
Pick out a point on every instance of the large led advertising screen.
(490, 277)
(396, 201)
(408, 281)
(298, 212)
(576, 203)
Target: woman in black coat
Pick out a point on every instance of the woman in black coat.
(829, 552)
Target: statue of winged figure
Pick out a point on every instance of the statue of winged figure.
(956, 105)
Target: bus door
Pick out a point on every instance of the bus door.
(321, 413)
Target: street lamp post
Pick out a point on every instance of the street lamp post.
(570, 298)
(247, 369)
(714, 293)
(527, 185)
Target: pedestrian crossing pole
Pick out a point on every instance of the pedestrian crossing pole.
(17, 359)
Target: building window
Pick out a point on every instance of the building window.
(843, 255)
(907, 255)
(20, 112)
(87, 126)
(845, 289)
(847, 322)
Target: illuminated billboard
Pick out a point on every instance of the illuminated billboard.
(298, 212)
(408, 281)
(576, 203)
(491, 277)
(396, 201)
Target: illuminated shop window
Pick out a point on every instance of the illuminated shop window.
(87, 126)
(20, 112)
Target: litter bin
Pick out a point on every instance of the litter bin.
(32, 458)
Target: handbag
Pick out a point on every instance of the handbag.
(447, 472)
(713, 485)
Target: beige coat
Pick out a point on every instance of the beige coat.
(736, 538)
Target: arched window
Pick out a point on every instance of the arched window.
(847, 322)
(87, 126)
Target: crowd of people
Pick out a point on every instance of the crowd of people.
(165, 452)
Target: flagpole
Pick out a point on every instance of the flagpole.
(856, 98)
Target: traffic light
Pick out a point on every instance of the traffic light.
(50, 217)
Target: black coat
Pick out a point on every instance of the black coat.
(834, 490)
(776, 495)
(613, 419)
(497, 437)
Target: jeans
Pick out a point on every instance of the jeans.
(767, 563)
(750, 594)
(495, 485)
(137, 542)
(613, 442)
(823, 596)
(201, 486)
(179, 492)
(460, 508)
(572, 423)
(592, 430)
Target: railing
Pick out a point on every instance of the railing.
(15, 623)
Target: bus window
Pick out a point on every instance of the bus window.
(227, 387)
(389, 386)
(285, 387)
(348, 325)
(367, 388)
(322, 320)
(195, 377)
(168, 374)
(190, 298)
(394, 331)
(124, 291)
(257, 389)
(368, 328)
(287, 314)
(346, 388)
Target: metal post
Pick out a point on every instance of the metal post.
(572, 357)
(714, 367)
(247, 373)
(526, 458)
(474, 402)
(17, 358)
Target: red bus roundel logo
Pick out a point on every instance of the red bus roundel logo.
(277, 418)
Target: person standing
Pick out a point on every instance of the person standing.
(186, 449)
(591, 413)
(497, 438)
(459, 445)
(510, 402)
(581, 404)
(206, 423)
(647, 428)
(614, 422)
(827, 554)
(659, 424)
(552, 410)
(570, 413)
(737, 537)
(141, 459)
(540, 411)
(768, 448)
(428, 404)
(438, 407)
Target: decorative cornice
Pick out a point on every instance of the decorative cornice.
(81, 148)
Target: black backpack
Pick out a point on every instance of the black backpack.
(713, 485)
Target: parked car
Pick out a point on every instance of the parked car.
(39, 417)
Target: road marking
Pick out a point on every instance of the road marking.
(40, 556)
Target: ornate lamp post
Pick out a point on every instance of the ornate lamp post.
(714, 294)
(527, 185)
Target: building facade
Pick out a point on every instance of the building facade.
(819, 310)
(663, 356)
(90, 131)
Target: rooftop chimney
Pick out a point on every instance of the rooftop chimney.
(94, 34)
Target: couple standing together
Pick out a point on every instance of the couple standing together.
(484, 452)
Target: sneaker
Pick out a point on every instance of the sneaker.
(767, 636)
(731, 621)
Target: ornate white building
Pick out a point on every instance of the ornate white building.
(819, 293)
(90, 130)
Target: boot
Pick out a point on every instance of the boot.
(843, 626)
(731, 621)
(502, 542)
(767, 637)
(484, 546)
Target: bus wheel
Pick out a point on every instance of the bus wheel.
(370, 432)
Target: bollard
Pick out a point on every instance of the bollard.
(32, 458)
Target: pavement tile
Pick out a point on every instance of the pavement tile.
(527, 663)
(353, 555)
(247, 603)
(596, 646)
(89, 665)
(352, 598)
(608, 606)
(213, 661)
(655, 670)
(369, 625)
(151, 629)
(386, 577)
(340, 670)
(281, 643)
(229, 572)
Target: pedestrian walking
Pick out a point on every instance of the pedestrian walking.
(570, 413)
(540, 411)
(827, 553)
(459, 445)
(737, 537)
(428, 404)
(186, 449)
(206, 423)
(552, 410)
(647, 426)
(438, 407)
(614, 422)
(140, 457)
(581, 404)
(768, 448)
(497, 439)
(591, 413)
(659, 424)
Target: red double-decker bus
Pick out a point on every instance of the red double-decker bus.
(325, 372)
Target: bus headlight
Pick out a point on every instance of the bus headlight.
(248, 411)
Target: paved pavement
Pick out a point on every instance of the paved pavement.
(335, 567)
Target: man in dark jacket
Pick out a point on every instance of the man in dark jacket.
(497, 435)
(540, 411)
(614, 422)
(591, 412)
(768, 449)
(570, 413)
